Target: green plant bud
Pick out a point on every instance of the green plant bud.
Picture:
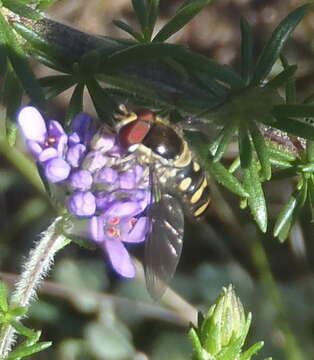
(221, 333)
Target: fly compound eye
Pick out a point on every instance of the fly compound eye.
(133, 133)
(145, 115)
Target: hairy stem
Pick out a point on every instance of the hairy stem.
(35, 269)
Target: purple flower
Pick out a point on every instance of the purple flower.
(38, 136)
(81, 180)
(105, 193)
(47, 144)
(119, 225)
(56, 169)
(83, 129)
(82, 204)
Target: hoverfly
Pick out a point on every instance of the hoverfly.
(177, 181)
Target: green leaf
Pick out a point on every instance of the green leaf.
(295, 111)
(3, 56)
(44, 4)
(245, 146)
(291, 96)
(217, 89)
(152, 17)
(25, 11)
(23, 330)
(282, 78)
(141, 13)
(3, 297)
(12, 98)
(43, 47)
(277, 41)
(139, 53)
(49, 61)
(280, 153)
(246, 355)
(197, 346)
(23, 351)
(311, 196)
(226, 135)
(216, 169)
(17, 311)
(246, 50)
(104, 103)
(225, 178)
(285, 219)
(261, 150)
(299, 127)
(232, 351)
(182, 17)
(21, 66)
(76, 104)
(125, 27)
(56, 84)
(256, 200)
(201, 63)
(310, 151)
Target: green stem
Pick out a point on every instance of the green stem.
(34, 270)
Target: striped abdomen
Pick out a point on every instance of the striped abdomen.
(193, 184)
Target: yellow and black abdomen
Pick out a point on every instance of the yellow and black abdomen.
(192, 183)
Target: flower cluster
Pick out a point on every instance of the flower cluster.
(105, 191)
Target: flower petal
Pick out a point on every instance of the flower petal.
(96, 229)
(127, 179)
(106, 176)
(94, 161)
(139, 231)
(123, 208)
(82, 203)
(119, 257)
(34, 147)
(75, 154)
(55, 129)
(62, 144)
(103, 141)
(32, 124)
(83, 126)
(47, 154)
(81, 180)
(57, 170)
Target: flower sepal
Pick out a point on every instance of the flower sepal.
(221, 333)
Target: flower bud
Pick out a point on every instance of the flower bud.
(222, 331)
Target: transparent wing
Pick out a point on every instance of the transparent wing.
(165, 238)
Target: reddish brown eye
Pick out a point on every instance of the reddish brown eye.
(134, 133)
(145, 115)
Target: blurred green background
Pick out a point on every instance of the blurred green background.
(87, 311)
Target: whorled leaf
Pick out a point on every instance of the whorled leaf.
(19, 8)
(225, 137)
(76, 104)
(103, 102)
(56, 84)
(141, 13)
(245, 146)
(288, 213)
(127, 28)
(261, 149)
(277, 41)
(246, 50)
(153, 8)
(256, 200)
(182, 17)
(20, 65)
